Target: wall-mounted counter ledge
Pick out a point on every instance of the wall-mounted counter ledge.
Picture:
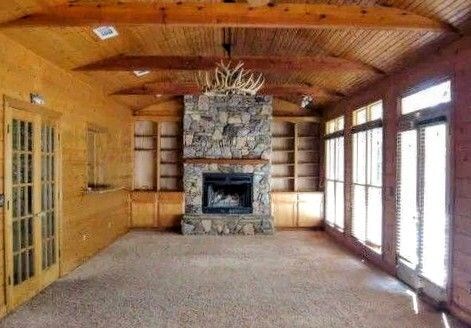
(236, 161)
(103, 190)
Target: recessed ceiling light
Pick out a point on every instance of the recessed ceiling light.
(106, 32)
(141, 73)
(158, 96)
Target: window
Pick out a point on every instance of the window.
(334, 125)
(426, 98)
(95, 162)
(367, 197)
(334, 168)
(368, 113)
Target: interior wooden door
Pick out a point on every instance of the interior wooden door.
(31, 211)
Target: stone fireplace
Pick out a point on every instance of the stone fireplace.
(226, 151)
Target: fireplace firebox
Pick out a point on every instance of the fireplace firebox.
(227, 193)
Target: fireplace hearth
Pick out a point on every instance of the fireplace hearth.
(227, 193)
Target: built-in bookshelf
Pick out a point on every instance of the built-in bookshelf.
(295, 156)
(145, 155)
(157, 156)
(171, 171)
(282, 161)
(307, 156)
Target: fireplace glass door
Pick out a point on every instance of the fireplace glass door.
(229, 193)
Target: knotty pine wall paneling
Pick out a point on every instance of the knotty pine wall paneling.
(89, 222)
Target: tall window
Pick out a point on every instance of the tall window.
(95, 162)
(367, 143)
(334, 168)
(423, 220)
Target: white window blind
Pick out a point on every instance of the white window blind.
(407, 210)
(334, 173)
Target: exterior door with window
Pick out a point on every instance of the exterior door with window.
(422, 209)
(31, 211)
(422, 195)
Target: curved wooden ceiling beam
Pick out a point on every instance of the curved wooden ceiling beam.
(136, 111)
(185, 88)
(287, 15)
(267, 63)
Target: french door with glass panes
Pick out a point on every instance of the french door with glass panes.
(31, 211)
(422, 209)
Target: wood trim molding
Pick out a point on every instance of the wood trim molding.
(235, 161)
(286, 15)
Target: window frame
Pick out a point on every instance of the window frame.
(95, 165)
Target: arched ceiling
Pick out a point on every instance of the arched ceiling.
(383, 50)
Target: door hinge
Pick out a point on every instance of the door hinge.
(8, 128)
(9, 280)
(8, 205)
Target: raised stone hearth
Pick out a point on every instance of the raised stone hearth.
(194, 224)
(237, 129)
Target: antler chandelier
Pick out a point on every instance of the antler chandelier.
(230, 81)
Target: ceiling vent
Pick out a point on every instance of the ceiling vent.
(105, 32)
(141, 73)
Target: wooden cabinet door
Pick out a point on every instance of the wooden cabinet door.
(284, 209)
(310, 209)
(170, 209)
(143, 210)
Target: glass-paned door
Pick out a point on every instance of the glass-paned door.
(423, 221)
(31, 183)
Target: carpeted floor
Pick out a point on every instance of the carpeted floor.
(294, 279)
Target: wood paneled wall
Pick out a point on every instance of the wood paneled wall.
(453, 62)
(89, 222)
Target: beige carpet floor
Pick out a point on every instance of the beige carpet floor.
(294, 279)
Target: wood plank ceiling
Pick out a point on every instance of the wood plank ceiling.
(382, 50)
